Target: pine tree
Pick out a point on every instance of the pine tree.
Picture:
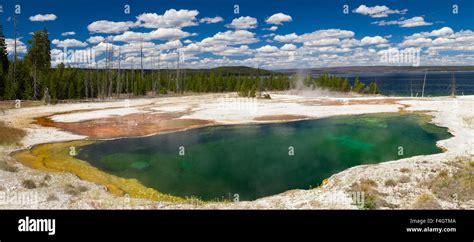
(3, 62)
(24, 81)
(39, 57)
(11, 87)
(373, 89)
(253, 90)
(358, 86)
(345, 86)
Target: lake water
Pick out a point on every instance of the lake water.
(437, 83)
(256, 160)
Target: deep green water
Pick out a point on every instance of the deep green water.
(253, 160)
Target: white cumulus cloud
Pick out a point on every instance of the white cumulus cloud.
(172, 18)
(158, 34)
(230, 37)
(68, 33)
(95, 39)
(286, 38)
(405, 23)
(278, 19)
(273, 28)
(43, 17)
(20, 46)
(373, 40)
(322, 42)
(69, 43)
(288, 47)
(267, 49)
(109, 27)
(209, 20)
(442, 31)
(377, 11)
(243, 23)
(324, 34)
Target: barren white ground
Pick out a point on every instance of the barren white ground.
(457, 114)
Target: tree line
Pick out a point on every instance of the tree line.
(33, 78)
(339, 84)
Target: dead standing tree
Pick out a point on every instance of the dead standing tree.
(153, 81)
(159, 74)
(141, 60)
(119, 74)
(14, 51)
(109, 74)
(86, 77)
(177, 75)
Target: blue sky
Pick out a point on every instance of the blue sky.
(268, 34)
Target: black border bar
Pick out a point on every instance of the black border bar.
(135, 225)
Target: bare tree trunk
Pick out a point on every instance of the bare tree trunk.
(86, 82)
(119, 87)
(14, 53)
(153, 82)
(111, 61)
(177, 75)
(35, 82)
(141, 59)
(159, 75)
(183, 79)
(126, 83)
(95, 80)
(423, 89)
(453, 87)
(168, 74)
(132, 78)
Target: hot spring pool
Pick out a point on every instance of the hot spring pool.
(258, 160)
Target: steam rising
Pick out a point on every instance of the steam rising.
(299, 88)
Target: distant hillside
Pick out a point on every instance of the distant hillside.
(233, 70)
(250, 71)
(243, 70)
(376, 69)
(224, 70)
